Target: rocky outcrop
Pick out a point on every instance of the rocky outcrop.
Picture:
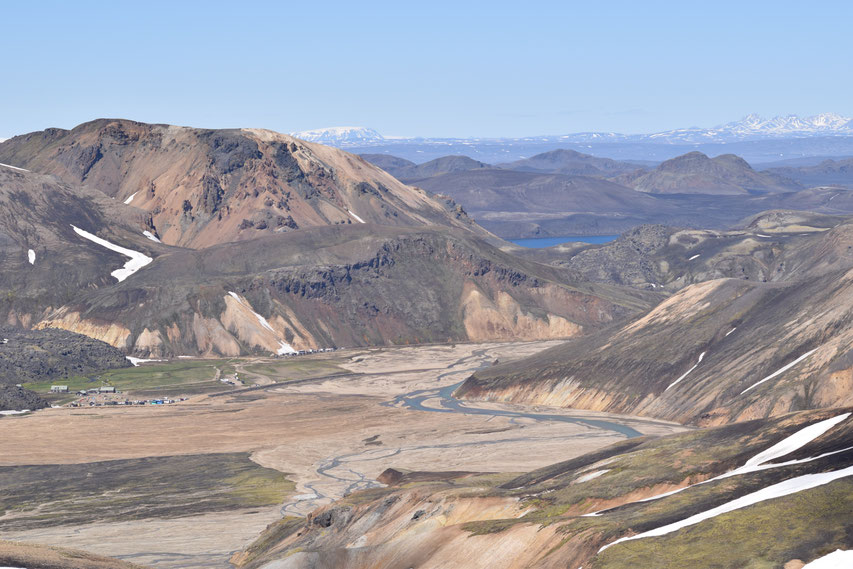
(45, 355)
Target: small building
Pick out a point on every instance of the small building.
(59, 389)
(107, 389)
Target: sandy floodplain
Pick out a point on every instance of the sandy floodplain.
(331, 436)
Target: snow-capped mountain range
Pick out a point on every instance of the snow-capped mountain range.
(750, 127)
(341, 136)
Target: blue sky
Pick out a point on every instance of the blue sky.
(423, 68)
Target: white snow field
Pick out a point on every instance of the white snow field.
(591, 475)
(356, 217)
(284, 347)
(130, 198)
(785, 488)
(702, 355)
(780, 370)
(137, 361)
(31, 257)
(14, 167)
(136, 262)
(838, 559)
(761, 461)
(151, 236)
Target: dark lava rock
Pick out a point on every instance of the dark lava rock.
(50, 354)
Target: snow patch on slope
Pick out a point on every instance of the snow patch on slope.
(151, 236)
(130, 198)
(284, 347)
(592, 475)
(702, 355)
(780, 370)
(136, 262)
(786, 446)
(137, 361)
(761, 461)
(31, 256)
(354, 216)
(838, 559)
(14, 167)
(785, 488)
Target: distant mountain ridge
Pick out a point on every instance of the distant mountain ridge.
(341, 135)
(696, 173)
(752, 126)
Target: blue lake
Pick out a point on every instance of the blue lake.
(540, 242)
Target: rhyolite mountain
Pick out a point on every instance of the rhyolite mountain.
(763, 493)
(696, 173)
(772, 336)
(64, 246)
(340, 286)
(44, 262)
(204, 187)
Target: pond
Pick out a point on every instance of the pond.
(539, 242)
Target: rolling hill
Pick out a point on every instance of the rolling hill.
(410, 172)
(827, 173)
(696, 173)
(572, 163)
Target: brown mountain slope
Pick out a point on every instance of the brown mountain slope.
(699, 355)
(43, 262)
(204, 187)
(716, 352)
(576, 513)
(695, 173)
(353, 284)
(334, 286)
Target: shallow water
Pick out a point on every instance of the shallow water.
(540, 242)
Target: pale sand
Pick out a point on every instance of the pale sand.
(299, 429)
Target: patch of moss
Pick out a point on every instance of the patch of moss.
(801, 526)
